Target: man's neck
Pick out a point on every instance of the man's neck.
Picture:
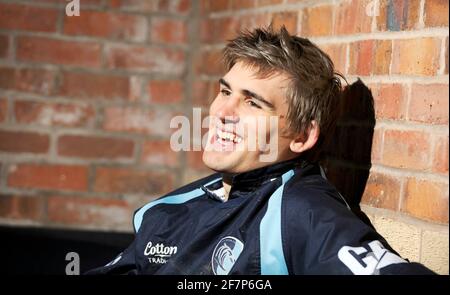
(226, 181)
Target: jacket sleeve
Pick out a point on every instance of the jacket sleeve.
(322, 236)
(123, 263)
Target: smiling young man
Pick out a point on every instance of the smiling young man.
(269, 208)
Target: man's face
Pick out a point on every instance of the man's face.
(242, 134)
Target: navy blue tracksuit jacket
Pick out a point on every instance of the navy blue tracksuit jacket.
(281, 219)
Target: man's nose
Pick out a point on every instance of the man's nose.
(228, 111)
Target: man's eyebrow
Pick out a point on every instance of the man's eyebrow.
(225, 83)
(249, 93)
(258, 97)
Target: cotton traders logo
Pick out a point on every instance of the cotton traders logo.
(159, 253)
(225, 254)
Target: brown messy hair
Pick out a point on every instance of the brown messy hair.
(314, 87)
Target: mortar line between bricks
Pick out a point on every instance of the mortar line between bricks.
(437, 32)
(408, 99)
(193, 41)
(3, 175)
(405, 218)
(282, 7)
(407, 173)
(94, 40)
(441, 70)
(412, 126)
(93, 7)
(77, 131)
(376, 79)
(80, 101)
(52, 151)
(13, 47)
(402, 193)
(421, 14)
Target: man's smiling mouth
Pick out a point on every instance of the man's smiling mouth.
(226, 137)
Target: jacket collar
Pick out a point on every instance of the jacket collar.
(254, 178)
(251, 180)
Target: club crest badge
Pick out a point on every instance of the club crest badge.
(225, 254)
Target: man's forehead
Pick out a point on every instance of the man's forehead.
(244, 75)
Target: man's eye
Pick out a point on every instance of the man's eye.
(225, 92)
(253, 104)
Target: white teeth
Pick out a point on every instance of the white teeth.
(228, 136)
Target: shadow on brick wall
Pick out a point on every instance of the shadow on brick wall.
(348, 155)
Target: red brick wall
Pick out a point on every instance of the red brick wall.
(400, 51)
(85, 105)
(85, 101)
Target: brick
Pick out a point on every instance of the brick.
(54, 114)
(440, 155)
(128, 180)
(94, 147)
(136, 120)
(398, 15)
(316, 21)
(47, 176)
(446, 56)
(83, 3)
(434, 251)
(209, 62)
(107, 25)
(174, 6)
(46, 50)
(406, 149)
(204, 93)
(195, 160)
(191, 175)
(429, 103)
(243, 4)
(390, 101)
(4, 46)
(288, 19)
(159, 153)
(383, 53)
(418, 56)
(170, 31)
(23, 142)
(166, 91)
(214, 6)
(91, 86)
(145, 59)
(220, 30)
(377, 144)
(254, 21)
(436, 13)
(269, 2)
(382, 191)
(338, 54)
(3, 109)
(402, 237)
(88, 211)
(426, 200)
(134, 5)
(27, 80)
(28, 18)
(361, 57)
(21, 207)
(370, 57)
(351, 17)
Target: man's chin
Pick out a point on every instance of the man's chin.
(218, 161)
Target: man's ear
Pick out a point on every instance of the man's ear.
(303, 143)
